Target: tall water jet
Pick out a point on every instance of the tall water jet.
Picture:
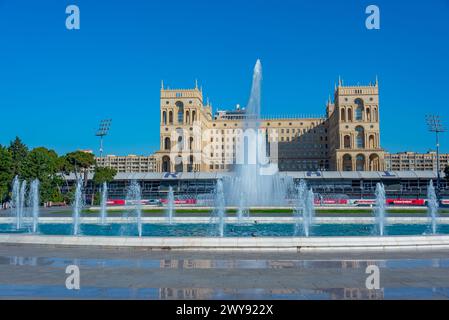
(77, 207)
(309, 211)
(34, 201)
(304, 210)
(256, 179)
(16, 201)
(170, 206)
(432, 206)
(242, 211)
(104, 203)
(22, 198)
(380, 208)
(134, 198)
(219, 212)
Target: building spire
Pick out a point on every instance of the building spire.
(339, 81)
(162, 84)
(196, 84)
(377, 81)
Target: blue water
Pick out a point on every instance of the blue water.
(231, 230)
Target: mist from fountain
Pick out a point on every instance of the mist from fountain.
(34, 203)
(256, 180)
(134, 199)
(380, 208)
(16, 201)
(169, 212)
(77, 207)
(104, 204)
(242, 211)
(219, 211)
(304, 210)
(21, 204)
(432, 206)
(299, 208)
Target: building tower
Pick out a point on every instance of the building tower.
(354, 129)
(182, 115)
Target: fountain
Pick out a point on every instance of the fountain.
(16, 201)
(34, 202)
(256, 180)
(170, 206)
(77, 207)
(304, 210)
(432, 206)
(219, 212)
(380, 208)
(104, 203)
(134, 198)
(23, 190)
(242, 211)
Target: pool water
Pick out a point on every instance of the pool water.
(231, 230)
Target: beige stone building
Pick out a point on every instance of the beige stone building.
(346, 138)
(404, 161)
(129, 164)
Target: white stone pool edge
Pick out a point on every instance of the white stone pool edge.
(190, 220)
(262, 244)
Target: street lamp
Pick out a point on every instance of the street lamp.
(102, 132)
(435, 124)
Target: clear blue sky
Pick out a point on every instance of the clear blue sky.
(56, 84)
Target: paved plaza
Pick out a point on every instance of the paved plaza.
(30, 272)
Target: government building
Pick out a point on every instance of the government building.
(347, 138)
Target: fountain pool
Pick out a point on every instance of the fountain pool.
(232, 229)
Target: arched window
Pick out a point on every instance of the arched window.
(360, 162)
(374, 162)
(178, 164)
(347, 162)
(187, 117)
(170, 117)
(342, 111)
(191, 143)
(167, 144)
(190, 164)
(180, 143)
(360, 137)
(359, 109)
(347, 142)
(368, 114)
(350, 114)
(371, 142)
(166, 164)
(180, 106)
(164, 117)
(376, 115)
(193, 116)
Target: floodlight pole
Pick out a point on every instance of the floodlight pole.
(435, 125)
(102, 132)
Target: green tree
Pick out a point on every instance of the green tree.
(19, 152)
(79, 163)
(43, 164)
(6, 173)
(102, 175)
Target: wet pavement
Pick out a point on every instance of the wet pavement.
(33, 272)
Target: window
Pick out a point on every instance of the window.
(167, 144)
(180, 106)
(360, 137)
(359, 109)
